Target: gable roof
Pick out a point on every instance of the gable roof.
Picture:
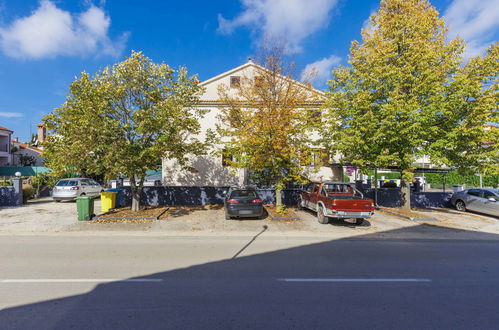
(249, 64)
(5, 129)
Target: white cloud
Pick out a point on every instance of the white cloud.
(11, 114)
(322, 68)
(476, 21)
(294, 20)
(49, 32)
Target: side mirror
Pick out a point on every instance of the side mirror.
(492, 199)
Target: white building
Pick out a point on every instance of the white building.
(5, 141)
(210, 170)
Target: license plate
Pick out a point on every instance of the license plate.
(354, 214)
(245, 212)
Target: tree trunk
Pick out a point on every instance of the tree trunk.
(278, 197)
(136, 192)
(405, 194)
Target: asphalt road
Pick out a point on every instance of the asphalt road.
(92, 282)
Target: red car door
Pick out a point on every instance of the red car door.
(313, 195)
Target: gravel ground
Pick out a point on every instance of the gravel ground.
(44, 215)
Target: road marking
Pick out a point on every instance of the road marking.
(80, 280)
(354, 279)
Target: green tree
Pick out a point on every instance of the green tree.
(399, 98)
(469, 141)
(124, 120)
(267, 120)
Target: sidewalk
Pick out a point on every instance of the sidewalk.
(49, 218)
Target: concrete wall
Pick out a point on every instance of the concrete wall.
(39, 161)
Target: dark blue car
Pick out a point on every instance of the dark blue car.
(243, 203)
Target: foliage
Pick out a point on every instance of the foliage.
(27, 160)
(437, 179)
(28, 192)
(466, 141)
(267, 120)
(124, 120)
(404, 95)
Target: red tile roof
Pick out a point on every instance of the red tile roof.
(5, 129)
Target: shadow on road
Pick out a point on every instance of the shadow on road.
(248, 291)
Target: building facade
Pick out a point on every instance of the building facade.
(211, 170)
(5, 142)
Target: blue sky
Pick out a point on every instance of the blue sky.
(44, 44)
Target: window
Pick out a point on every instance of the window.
(259, 81)
(323, 191)
(489, 194)
(314, 116)
(474, 192)
(235, 81)
(226, 158)
(66, 183)
(243, 193)
(315, 188)
(308, 188)
(85, 182)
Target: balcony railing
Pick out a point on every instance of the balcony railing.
(4, 147)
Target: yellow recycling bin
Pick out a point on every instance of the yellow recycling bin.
(108, 200)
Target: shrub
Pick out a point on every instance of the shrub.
(28, 192)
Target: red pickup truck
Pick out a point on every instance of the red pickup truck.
(335, 200)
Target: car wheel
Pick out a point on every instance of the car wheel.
(57, 200)
(460, 206)
(359, 221)
(321, 217)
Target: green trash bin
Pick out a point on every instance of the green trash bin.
(85, 207)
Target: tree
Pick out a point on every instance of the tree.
(404, 94)
(266, 120)
(124, 120)
(469, 140)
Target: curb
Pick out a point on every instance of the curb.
(406, 216)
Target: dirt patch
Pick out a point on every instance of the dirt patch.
(288, 215)
(413, 214)
(146, 213)
(178, 211)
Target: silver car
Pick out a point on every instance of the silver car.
(69, 189)
(478, 200)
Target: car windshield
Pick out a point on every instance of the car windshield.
(243, 193)
(67, 183)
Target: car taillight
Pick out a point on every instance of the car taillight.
(257, 201)
(74, 188)
(333, 203)
(232, 201)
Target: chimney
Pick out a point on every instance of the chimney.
(42, 133)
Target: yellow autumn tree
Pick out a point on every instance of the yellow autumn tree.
(266, 120)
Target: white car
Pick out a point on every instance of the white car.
(70, 189)
(478, 200)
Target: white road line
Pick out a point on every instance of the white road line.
(354, 280)
(80, 280)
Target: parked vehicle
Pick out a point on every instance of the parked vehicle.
(243, 203)
(478, 200)
(69, 189)
(335, 200)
